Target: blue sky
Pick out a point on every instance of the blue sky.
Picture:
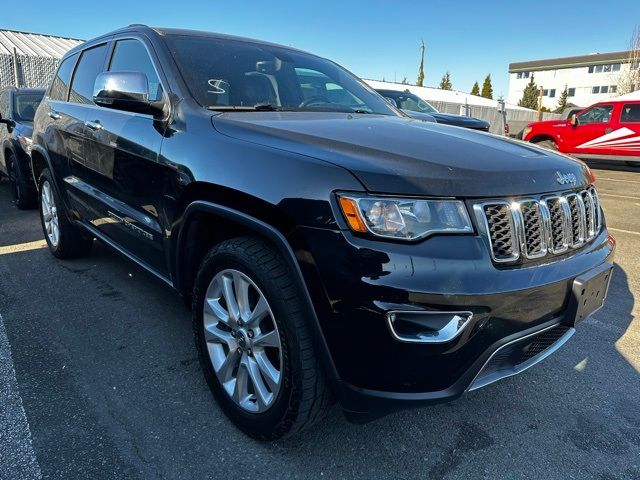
(373, 39)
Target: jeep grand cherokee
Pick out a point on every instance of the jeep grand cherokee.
(328, 246)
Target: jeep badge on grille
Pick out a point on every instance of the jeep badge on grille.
(566, 178)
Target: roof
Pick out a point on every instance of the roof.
(571, 62)
(35, 44)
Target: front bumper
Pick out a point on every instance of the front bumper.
(355, 282)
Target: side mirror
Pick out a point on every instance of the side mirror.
(9, 123)
(573, 120)
(391, 101)
(127, 91)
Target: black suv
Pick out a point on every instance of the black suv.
(328, 246)
(17, 108)
(415, 107)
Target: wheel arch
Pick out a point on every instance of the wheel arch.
(39, 161)
(541, 137)
(194, 223)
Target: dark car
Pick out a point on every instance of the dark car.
(414, 106)
(329, 247)
(17, 109)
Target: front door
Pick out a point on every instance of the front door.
(594, 125)
(127, 180)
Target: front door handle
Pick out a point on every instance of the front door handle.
(95, 125)
(55, 115)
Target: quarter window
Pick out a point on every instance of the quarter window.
(630, 113)
(90, 65)
(60, 85)
(132, 56)
(596, 114)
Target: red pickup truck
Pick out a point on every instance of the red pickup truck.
(608, 130)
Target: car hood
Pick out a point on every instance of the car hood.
(390, 154)
(459, 120)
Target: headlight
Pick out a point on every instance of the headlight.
(406, 219)
(25, 142)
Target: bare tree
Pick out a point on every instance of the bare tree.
(629, 79)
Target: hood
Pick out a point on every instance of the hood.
(459, 120)
(390, 154)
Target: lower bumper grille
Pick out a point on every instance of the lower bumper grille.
(520, 354)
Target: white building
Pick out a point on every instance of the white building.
(589, 78)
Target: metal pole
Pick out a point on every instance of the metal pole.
(15, 67)
(540, 104)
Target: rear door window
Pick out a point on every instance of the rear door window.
(131, 56)
(596, 114)
(630, 113)
(60, 84)
(90, 65)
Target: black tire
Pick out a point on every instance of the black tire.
(633, 164)
(71, 243)
(23, 192)
(304, 394)
(548, 144)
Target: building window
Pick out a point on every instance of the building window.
(545, 93)
(519, 75)
(635, 65)
(599, 68)
(571, 92)
(613, 89)
(525, 74)
(595, 90)
(552, 93)
(606, 68)
(604, 89)
(591, 69)
(615, 67)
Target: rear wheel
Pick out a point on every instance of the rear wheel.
(64, 240)
(253, 341)
(548, 144)
(633, 164)
(22, 191)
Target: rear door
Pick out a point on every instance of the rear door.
(627, 141)
(124, 179)
(594, 124)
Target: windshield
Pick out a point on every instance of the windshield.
(25, 106)
(409, 101)
(223, 73)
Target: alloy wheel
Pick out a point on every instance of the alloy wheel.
(243, 341)
(50, 214)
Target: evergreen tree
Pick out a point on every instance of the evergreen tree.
(445, 83)
(487, 88)
(475, 90)
(530, 95)
(421, 69)
(563, 101)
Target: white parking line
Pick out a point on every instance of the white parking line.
(618, 196)
(617, 180)
(16, 449)
(623, 231)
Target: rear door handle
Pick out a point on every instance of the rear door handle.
(95, 125)
(55, 115)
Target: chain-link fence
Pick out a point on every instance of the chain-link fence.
(28, 71)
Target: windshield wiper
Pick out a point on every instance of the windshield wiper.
(258, 107)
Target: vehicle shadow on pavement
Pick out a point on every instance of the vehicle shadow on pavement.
(107, 368)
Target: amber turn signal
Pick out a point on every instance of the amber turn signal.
(350, 209)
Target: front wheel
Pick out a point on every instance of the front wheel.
(548, 144)
(63, 238)
(253, 340)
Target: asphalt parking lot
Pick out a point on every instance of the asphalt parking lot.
(99, 380)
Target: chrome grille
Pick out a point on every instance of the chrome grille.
(534, 228)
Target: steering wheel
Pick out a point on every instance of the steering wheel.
(314, 99)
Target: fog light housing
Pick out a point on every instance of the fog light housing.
(427, 326)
